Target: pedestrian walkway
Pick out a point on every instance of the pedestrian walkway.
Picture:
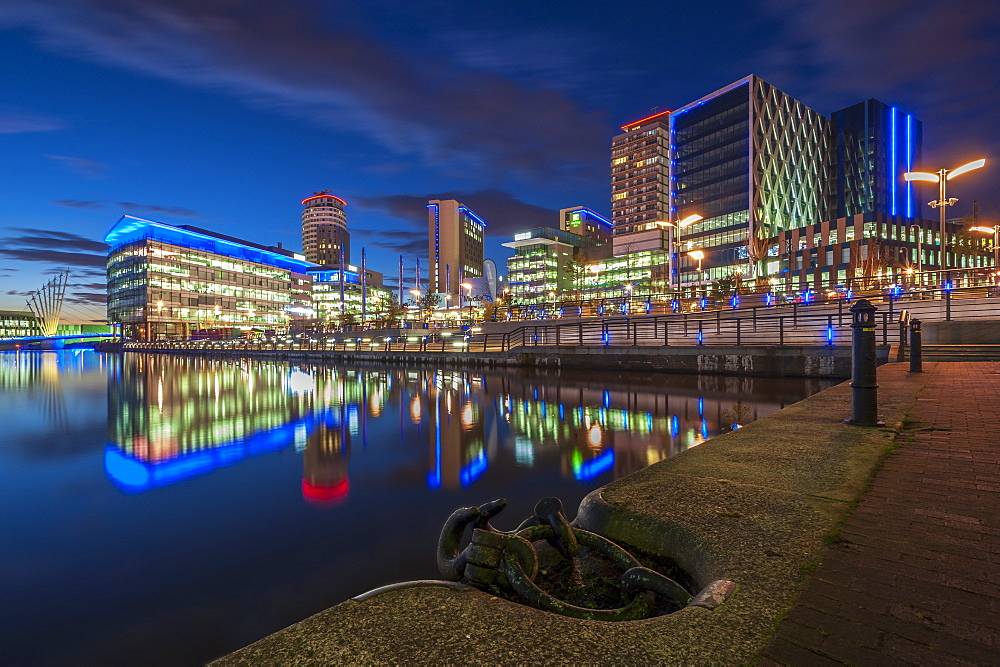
(915, 575)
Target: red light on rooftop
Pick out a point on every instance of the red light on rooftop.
(320, 196)
(630, 126)
(324, 494)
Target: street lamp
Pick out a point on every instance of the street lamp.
(697, 255)
(941, 178)
(468, 298)
(995, 231)
(687, 221)
(420, 308)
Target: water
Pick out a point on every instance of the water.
(167, 510)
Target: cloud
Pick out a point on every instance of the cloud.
(127, 207)
(88, 298)
(47, 238)
(16, 123)
(504, 214)
(936, 60)
(400, 241)
(53, 247)
(82, 166)
(280, 54)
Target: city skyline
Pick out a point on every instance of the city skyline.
(226, 118)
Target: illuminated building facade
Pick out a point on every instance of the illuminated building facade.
(14, 323)
(325, 239)
(168, 281)
(586, 222)
(340, 297)
(874, 143)
(543, 263)
(455, 245)
(640, 177)
(756, 163)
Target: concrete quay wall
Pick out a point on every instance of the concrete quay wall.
(757, 507)
(759, 361)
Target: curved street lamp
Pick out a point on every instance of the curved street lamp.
(941, 178)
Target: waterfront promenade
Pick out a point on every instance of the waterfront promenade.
(910, 576)
(914, 575)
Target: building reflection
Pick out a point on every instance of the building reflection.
(177, 418)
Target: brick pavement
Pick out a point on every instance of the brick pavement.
(915, 575)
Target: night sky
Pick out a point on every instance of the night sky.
(225, 114)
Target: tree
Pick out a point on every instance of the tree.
(392, 311)
(429, 301)
(576, 269)
(758, 247)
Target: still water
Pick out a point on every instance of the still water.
(168, 510)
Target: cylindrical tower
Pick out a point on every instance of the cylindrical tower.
(324, 229)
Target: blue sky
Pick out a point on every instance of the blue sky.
(225, 114)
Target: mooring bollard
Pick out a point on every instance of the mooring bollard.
(864, 388)
(916, 356)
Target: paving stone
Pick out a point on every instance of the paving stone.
(916, 578)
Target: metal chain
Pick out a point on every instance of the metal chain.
(508, 560)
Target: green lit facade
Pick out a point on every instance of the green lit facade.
(337, 294)
(542, 264)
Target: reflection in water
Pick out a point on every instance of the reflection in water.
(175, 418)
(249, 494)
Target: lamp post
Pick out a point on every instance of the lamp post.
(468, 298)
(697, 255)
(941, 178)
(995, 231)
(675, 252)
(420, 308)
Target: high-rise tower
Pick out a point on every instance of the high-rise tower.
(325, 239)
(639, 175)
(455, 245)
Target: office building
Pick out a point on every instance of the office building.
(167, 281)
(586, 222)
(873, 144)
(345, 298)
(14, 323)
(546, 260)
(325, 239)
(455, 245)
(640, 177)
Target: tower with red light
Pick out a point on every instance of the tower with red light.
(325, 239)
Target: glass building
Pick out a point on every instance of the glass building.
(168, 281)
(873, 144)
(544, 262)
(344, 298)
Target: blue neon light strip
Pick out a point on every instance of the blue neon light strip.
(892, 161)
(334, 277)
(129, 229)
(472, 215)
(909, 164)
(36, 339)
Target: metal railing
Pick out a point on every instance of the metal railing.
(686, 329)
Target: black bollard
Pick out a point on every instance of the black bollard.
(864, 388)
(916, 356)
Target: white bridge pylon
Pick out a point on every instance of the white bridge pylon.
(46, 304)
